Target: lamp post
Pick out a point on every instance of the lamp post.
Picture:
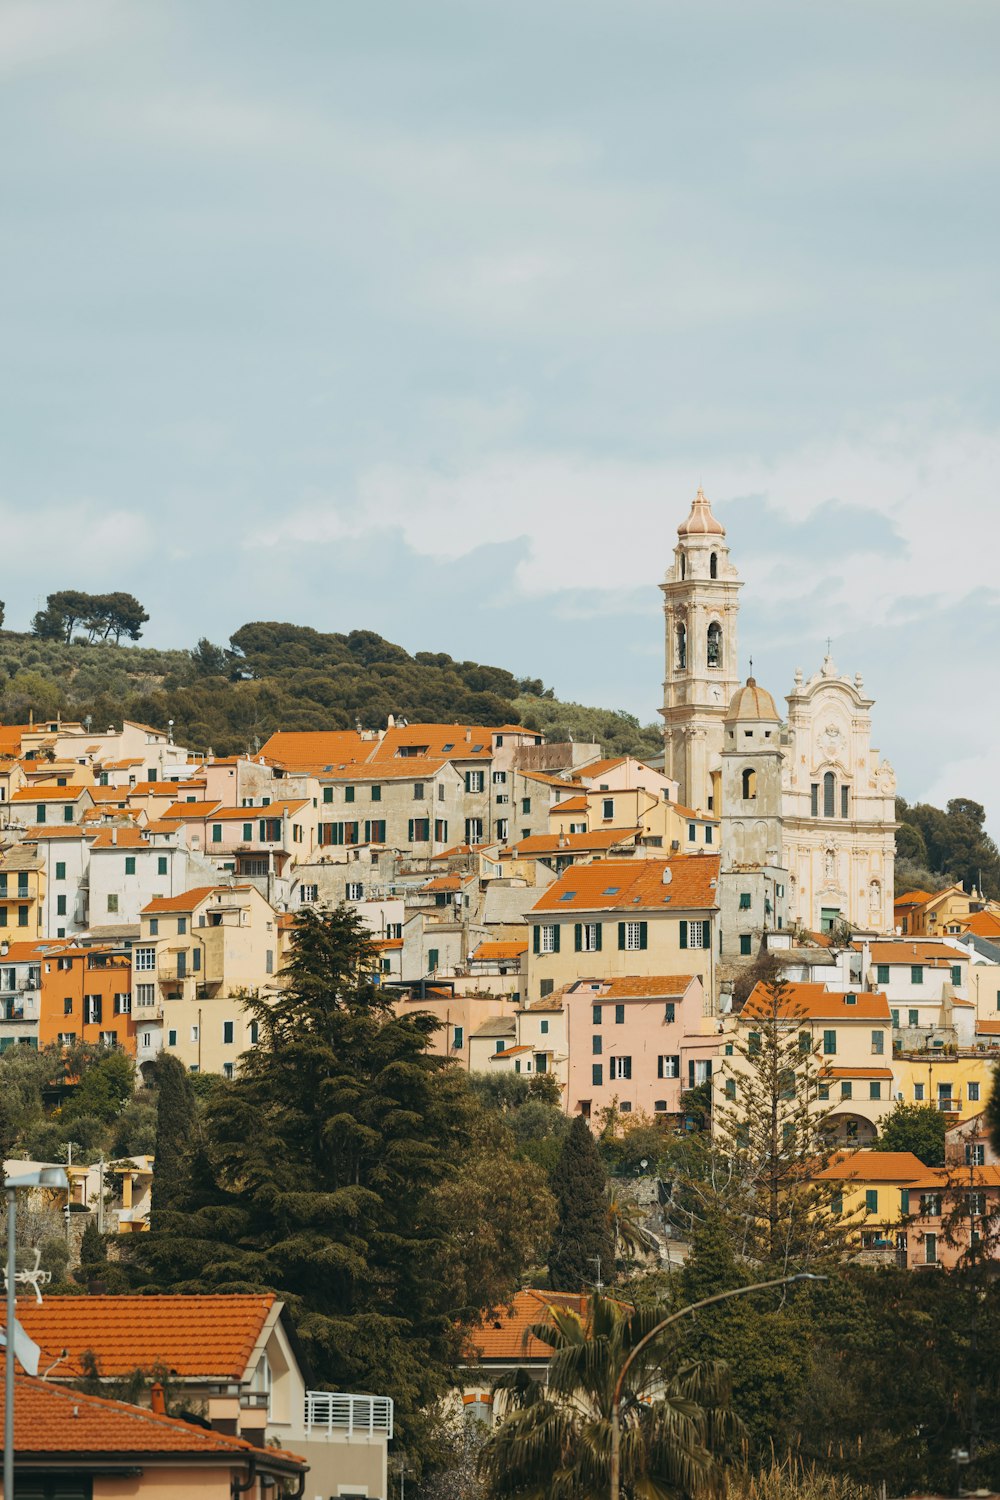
(51, 1177)
(739, 1291)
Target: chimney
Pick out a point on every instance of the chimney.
(468, 736)
(157, 1404)
(114, 835)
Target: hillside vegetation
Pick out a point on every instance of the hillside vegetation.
(275, 676)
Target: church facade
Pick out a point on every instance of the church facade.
(806, 804)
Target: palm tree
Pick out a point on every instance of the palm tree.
(554, 1440)
(630, 1238)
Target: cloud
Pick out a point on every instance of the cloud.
(36, 32)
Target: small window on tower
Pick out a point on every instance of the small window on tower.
(681, 648)
(713, 644)
(713, 565)
(749, 785)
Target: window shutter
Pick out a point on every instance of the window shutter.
(659, 1067)
(598, 930)
(676, 1060)
(708, 1068)
(578, 937)
(537, 938)
(621, 936)
(690, 1072)
(409, 840)
(643, 934)
(684, 934)
(555, 938)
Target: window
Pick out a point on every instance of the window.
(878, 1043)
(607, 808)
(161, 864)
(547, 939)
(846, 1089)
(973, 1092)
(61, 869)
(419, 830)
(632, 935)
(930, 1249)
(374, 830)
(171, 1038)
(130, 864)
(433, 960)
(619, 1067)
(216, 833)
(875, 1090)
(904, 1200)
(545, 988)
(543, 1027)
(354, 891)
(308, 894)
(956, 974)
(227, 1070)
(597, 1044)
(871, 1201)
(681, 655)
(92, 1009)
(40, 813)
(596, 1015)
(829, 1043)
(123, 1005)
(844, 795)
(975, 1156)
(753, 1043)
(182, 926)
(894, 1014)
(670, 1012)
(227, 1033)
(829, 794)
(145, 995)
(587, 937)
(713, 645)
(154, 926)
(744, 901)
(440, 830)
(916, 973)
(882, 973)
(823, 1092)
(713, 565)
(918, 1092)
(67, 1038)
(619, 1015)
(668, 1066)
(914, 1016)
(328, 794)
(692, 833)
(814, 800)
(473, 830)
(837, 1203)
(68, 1011)
(348, 794)
(693, 934)
(194, 1033)
(805, 1041)
(525, 804)
(60, 906)
(709, 835)
(475, 781)
(376, 794)
(254, 1033)
(745, 943)
(248, 833)
(749, 794)
(597, 1074)
(730, 1088)
(145, 958)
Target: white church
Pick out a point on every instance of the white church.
(805, 803)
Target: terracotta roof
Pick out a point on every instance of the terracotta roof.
(954, 1179)
(914, 951)
(178, 811)
(988, 1028)
(121, 765)
(194, 1336)
(445, 883)
(636, 987)
(636, 885)
(873, 1166)
(570, 804)
(912, 898)
(53, 1422)
(39, 832)
(305, 750)
(691, 812)
(549, 778)
(457, 741)
(187, 901)
(813, 1002)
(752, 702)
(985, 924)
(150, 788)
(383, 944)
(250, 814)
(510, 1052)
(117, 794)
(120, 838)
(497, 950)
(410, 768)
(570, 843)
(10, 737)
(505, 1336)
(601, 767)
(22, 953)
(49, 793)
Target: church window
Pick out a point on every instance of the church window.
(683, 566)
(814, 800)
(714, 644)
(682, 649)
(844, 795)
(713, 565)
(749, 785)
(829, 795)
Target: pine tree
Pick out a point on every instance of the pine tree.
(774, 1134)
(582, 1245)
(315, 1175)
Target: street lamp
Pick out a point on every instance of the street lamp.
(739, 1291)
(48, 1177)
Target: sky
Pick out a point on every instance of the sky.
(430, 316)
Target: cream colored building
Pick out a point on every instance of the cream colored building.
(196, 954)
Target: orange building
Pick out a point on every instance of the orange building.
(87, 997)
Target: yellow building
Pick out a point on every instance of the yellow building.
(197, 953)
(659, 824)
(22, 892)
(956, 1083)
(873, 1189)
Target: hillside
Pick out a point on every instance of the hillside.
(280, 676)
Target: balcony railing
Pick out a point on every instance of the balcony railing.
(335, 1411)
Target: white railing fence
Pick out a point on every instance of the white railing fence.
(337, 1411)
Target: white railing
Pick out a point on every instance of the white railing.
(338, 1411)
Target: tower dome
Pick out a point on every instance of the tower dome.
(751, 701)
(701, 522)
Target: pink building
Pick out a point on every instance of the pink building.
(639, 1041)
(951, 1208)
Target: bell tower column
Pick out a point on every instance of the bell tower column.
(700, 606)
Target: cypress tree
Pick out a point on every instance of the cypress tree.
(175, 1123)
(583, 1233)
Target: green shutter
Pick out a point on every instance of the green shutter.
(621, 936)
(684, 934)
(555, 938)
(643, 935)
(216, 833)
(578, 937)
(409, 836)
(598, 931)
(537, 938)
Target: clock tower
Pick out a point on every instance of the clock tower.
(700, 605)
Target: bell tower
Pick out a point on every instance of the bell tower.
(700, 606)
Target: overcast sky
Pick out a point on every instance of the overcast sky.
(429, 317)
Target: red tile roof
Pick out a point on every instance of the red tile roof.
(313, 749)
(636, 885)
(497, 950)
(899, 951)
(52, 1421)
(569, 843)
(633, 987)
(187, 901)
(857, 1072)
(193, 1336)
(505, 1336)
(182, 810)
(873, 1166)
(442, 741)
(813, 1002)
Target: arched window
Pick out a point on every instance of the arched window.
(829, 795)
(714, 644)
(713, 565)
(749, 785)
(683, 566)
(682, 647)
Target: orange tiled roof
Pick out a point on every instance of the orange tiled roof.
(250, 814)
(570, 843)
(988, 1028)
(813, 1002)
(692, 813)
(64, 1424)
(549, 778)
(117, 794)
(10, 737)
(194, 1336)
(912, 898)
(151, 788)
(873, 1166)
(510, 1051)
(857, 1072)
(570, 804)
(49, 793)
(636, 885)
(496, 950)
(901, 951)
(305, 750)
(505, 1336)
(187, 901)
(178, 811)
(120, 838)
(637, 987)
(601, 767)
(984, 924)
(956, 1178)
(410, 768)
(443, 741)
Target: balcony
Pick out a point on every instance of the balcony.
(335, 1411)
